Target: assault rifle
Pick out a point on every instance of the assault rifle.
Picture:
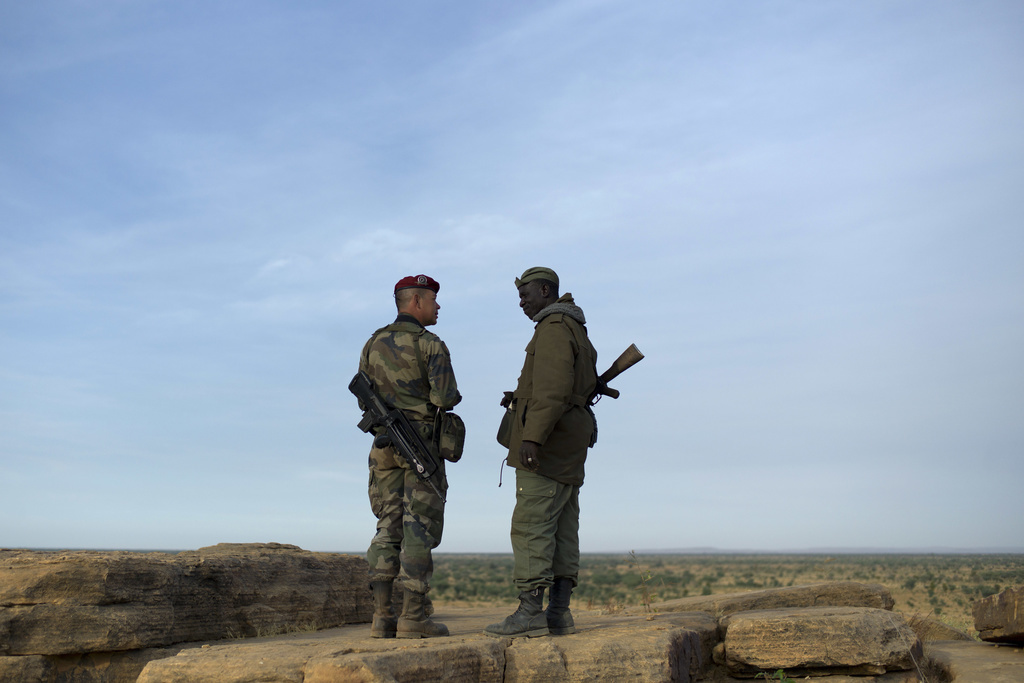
(398, 431)
(625, 361)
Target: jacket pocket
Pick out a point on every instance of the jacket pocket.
(452, 438)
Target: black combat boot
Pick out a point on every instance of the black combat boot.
(384, 621)
(558, 615)
(528, 620)
(414, 623)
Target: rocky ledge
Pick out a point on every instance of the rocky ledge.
(117, 617)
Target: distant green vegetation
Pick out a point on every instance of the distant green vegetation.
(941, 586)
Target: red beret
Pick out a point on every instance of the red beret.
(417, 282)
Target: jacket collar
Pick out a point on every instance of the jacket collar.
(406, 318)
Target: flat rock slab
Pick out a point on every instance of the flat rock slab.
(831, 594)
(95, 667)
(975, 662)
(999, 618)
(75, 602)
(606, 647)
(659, 648)
(818, 641)
(928, 629)
(893, 677)
(663, 648)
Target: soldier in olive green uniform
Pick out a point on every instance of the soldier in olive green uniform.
(552, 428)
(412, 370)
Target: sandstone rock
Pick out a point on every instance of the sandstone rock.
(662, 652)
(1000, 618)
(818, 641)
(891, 677)
(54, 603)
(665, 647)
(832, 594)
(69, 617)
(476, 661)
(28, 668)
(338, 657)
(974, 662)
(276, 659)
(94, 667)
(928, 629)
(548, 660)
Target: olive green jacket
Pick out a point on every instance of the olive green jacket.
(549, 403)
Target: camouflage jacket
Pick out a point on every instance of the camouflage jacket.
(558, 377)
(411, 368)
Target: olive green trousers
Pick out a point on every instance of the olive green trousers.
(545, 531)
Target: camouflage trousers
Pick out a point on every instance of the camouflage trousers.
(410, 520)
(545, 531)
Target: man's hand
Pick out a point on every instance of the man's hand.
(528, 455)
(506, 399)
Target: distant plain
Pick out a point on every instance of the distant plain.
(939, 586)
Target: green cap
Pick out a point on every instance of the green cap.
(537, 273)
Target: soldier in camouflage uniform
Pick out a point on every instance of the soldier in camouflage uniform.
(412, 371)
(552, 427)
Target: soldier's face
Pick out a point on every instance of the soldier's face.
(427, 308)
(531, 299)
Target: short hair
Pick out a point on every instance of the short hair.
(403, 297)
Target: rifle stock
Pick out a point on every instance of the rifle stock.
(625, 361)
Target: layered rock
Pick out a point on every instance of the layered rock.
(60, 603)
(999, 618)
(92, 667)
(973, 662)
(929, 629)
(816, 641)
(126, 617)
(833, 594)
(663, 648)
(315, 659)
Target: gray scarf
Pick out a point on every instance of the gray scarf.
(571, 310)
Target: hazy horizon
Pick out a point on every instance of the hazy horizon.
(638, 551)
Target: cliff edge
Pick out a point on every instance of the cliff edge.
(236, 613)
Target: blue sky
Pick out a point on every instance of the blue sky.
(806, 214)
